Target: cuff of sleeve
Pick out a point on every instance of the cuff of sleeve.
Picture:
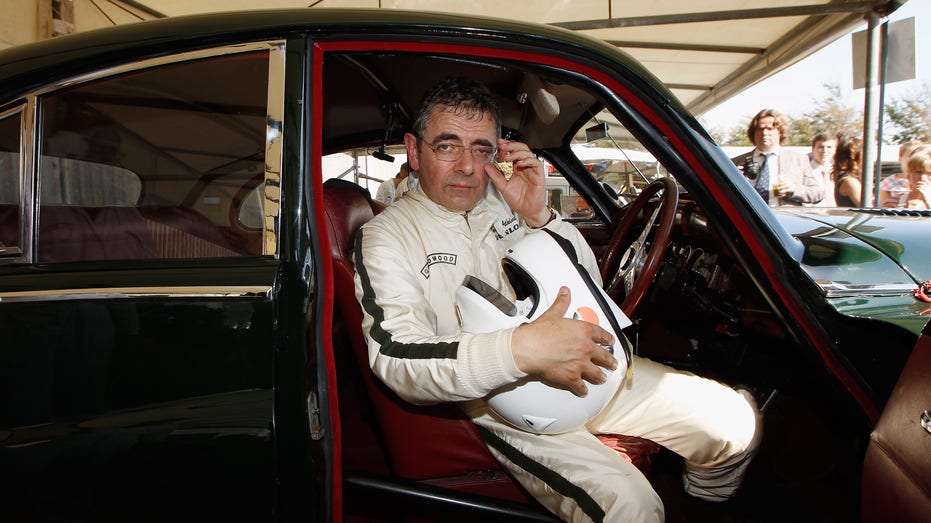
(561, 228)
(554, 217)
(488, 362)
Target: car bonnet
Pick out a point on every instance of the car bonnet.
(858, 248)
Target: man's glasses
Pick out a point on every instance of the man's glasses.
(451, 151)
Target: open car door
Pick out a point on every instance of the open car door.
(897, 469)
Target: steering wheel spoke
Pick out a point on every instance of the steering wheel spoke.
(631, 268)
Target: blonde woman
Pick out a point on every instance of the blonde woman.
(894, 188)
(918, 170)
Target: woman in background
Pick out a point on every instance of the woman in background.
(894, 188)
(847, 186)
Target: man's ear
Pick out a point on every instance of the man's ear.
(413, 154)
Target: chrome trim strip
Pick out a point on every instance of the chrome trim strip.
(30, 187)
(274, 126)
(839, 290)
(255, 292)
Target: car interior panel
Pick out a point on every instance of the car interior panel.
(900, 446)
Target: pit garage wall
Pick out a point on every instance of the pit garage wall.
(25, 21)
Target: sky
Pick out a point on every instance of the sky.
(795, 91)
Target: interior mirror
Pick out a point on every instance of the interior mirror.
(596, 132)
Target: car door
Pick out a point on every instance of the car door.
(897, 468)
(139, 332)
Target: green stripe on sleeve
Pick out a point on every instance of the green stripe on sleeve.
(387, 345)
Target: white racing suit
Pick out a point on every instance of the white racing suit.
(410, 260)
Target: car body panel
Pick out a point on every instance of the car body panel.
(100, 393)
(874, 229)
(861, 273)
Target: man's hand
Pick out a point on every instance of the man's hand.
(525, 192)
(920, 196)
(562, 350)
(783, 189)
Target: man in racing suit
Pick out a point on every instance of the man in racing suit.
(412, 257)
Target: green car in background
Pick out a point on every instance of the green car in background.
(180, 338)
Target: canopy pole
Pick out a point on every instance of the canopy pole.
(883, 63)
(871, 110)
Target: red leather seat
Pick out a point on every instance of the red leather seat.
(436, 444)
(67, 233)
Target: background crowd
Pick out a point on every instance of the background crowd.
(830, 175)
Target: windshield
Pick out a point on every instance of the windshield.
(611, 155)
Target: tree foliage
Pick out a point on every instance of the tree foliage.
(909, 117)
(735, 135)
(906, 118)
(830, 114)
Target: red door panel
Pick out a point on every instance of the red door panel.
(897, 470)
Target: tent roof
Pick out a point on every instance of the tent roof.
(705, 52)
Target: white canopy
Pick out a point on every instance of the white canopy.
(705, 52)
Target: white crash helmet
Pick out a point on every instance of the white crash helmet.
(536, 267)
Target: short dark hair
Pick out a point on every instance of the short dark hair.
(823, 137)
(461, 95)
(779, 122)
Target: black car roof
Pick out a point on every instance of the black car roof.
(61, 56)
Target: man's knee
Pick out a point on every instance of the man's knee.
(719, 477)
(731, 437)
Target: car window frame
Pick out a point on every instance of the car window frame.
(275, 107)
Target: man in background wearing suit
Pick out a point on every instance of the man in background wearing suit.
(780, 176)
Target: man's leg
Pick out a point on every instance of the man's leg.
(573, 474)
(711, 425)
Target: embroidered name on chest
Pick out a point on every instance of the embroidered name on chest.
(438, 257)
(506, 226)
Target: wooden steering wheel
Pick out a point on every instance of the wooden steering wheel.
(628, 270)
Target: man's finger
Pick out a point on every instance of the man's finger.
(602, 337)
(603, 358)
(594, 375)
(560, 304)
(579, 389)
(495, 176)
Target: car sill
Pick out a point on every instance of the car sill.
(262, 293)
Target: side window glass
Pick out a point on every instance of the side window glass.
(10, 182)
(251, 213)
(151, 164)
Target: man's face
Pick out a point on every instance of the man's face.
(457, 185)
(767, 136)
(823, 151)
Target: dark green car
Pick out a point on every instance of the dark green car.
(179, 339)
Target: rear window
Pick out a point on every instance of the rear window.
(153, 163)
